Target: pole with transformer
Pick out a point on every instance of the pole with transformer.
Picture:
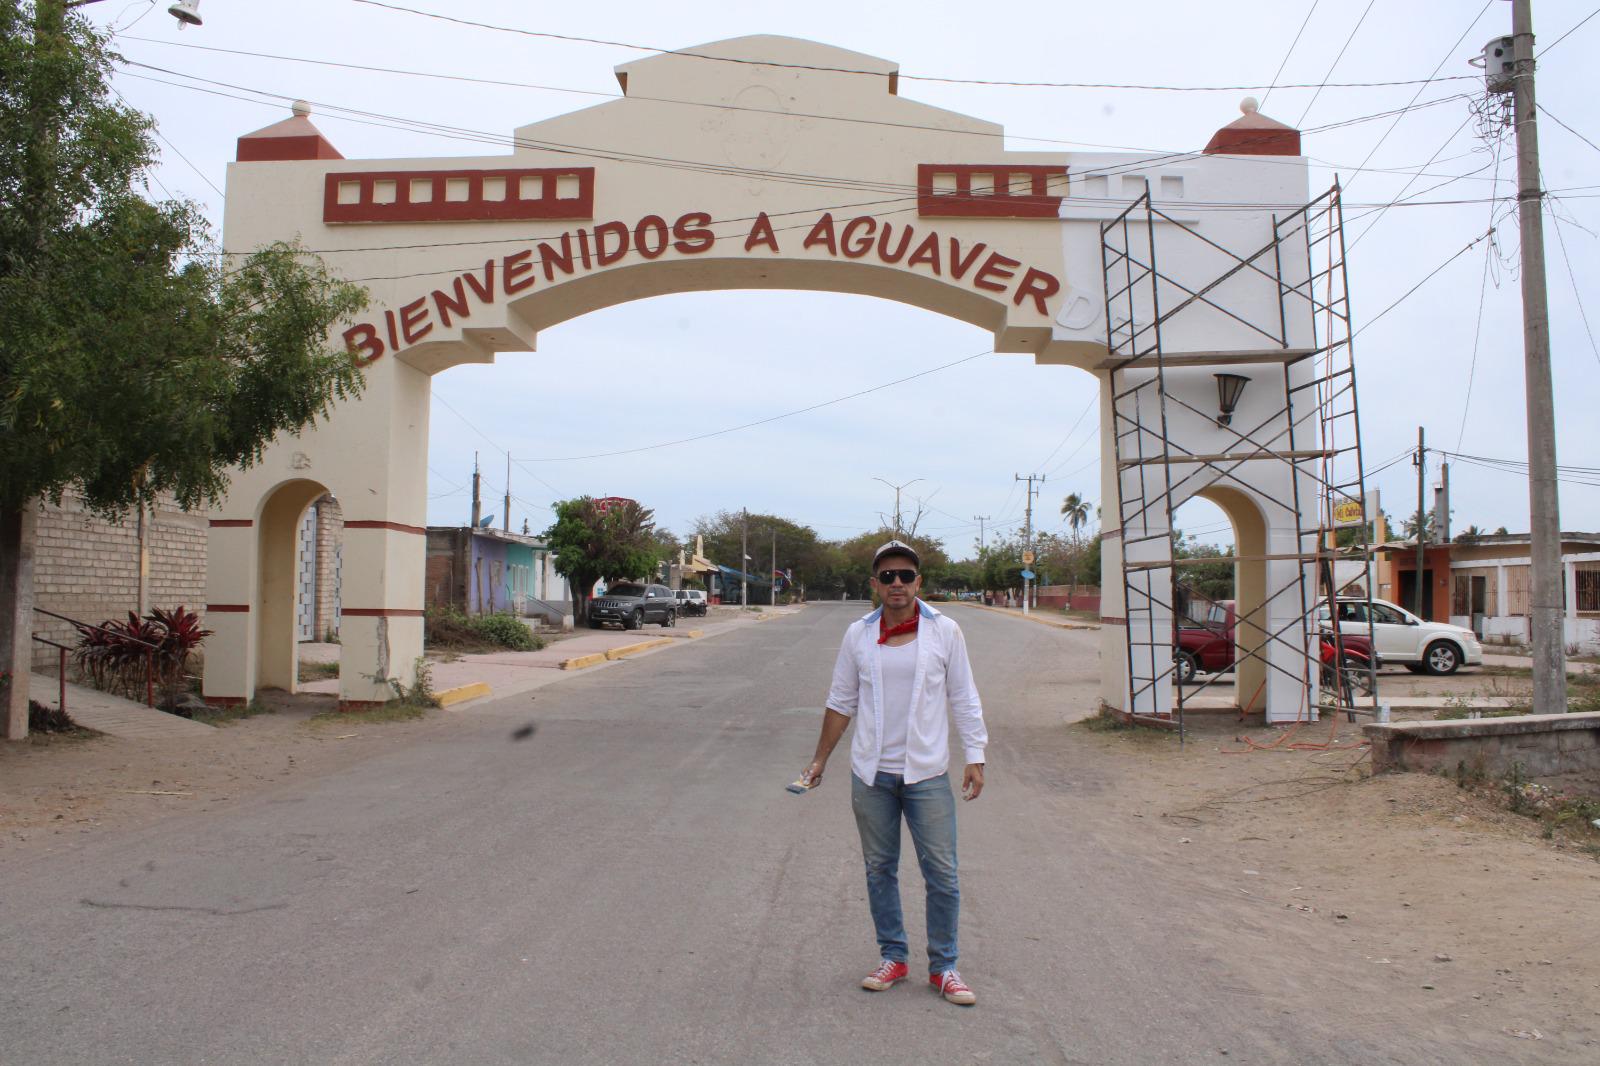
(1544, 508)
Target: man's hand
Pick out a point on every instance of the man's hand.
(812, 775)
(972, 781)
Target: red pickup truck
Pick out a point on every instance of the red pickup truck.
(1206, 646)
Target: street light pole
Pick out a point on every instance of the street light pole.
(744, 557)
(1546, 608)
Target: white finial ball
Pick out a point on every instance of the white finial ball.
(300, 108)
(1249, 105)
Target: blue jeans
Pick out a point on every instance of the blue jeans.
(929, 809)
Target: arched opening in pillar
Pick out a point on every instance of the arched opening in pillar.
(281, 622)
(1223, 609)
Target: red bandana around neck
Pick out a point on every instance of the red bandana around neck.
(885, 631)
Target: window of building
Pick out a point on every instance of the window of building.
(1588, 589)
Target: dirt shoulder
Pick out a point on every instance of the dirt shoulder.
(1425, 902)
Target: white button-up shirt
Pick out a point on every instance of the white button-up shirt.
(942, 691)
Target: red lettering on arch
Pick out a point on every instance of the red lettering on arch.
(484, 290)
(958, 265)
(900, 249)
(650, 224)
(852, 247)
(1039, 285)
(822, 233)
(616, 229)
(512, 267)
(927, 252)
(693, 233)
(996, 266)
(362, 342)
(761, 233)
(412, 315)
(549, 258)
(449, 304)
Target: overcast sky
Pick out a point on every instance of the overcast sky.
(653, 371)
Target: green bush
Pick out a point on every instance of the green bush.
(447, 627)
(504, 631)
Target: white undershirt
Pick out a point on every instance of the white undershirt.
(899, 667)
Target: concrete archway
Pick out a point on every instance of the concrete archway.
(831, 182)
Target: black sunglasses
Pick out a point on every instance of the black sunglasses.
(887, 577)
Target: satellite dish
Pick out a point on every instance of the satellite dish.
(187, 12)
(487, 522)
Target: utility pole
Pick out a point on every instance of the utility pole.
(744, 557)
(477, 501)
(981, 519)
(1441, 506)
(1027, 539)
(1421, 523)
(897, 489)
(505, 523)
(774, 568)
(1544, 508)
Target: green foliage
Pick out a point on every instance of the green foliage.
(591, 545)
(505, 631)
(1214, 581)
(447, 627)
(133, 359)
(1075, 509)
(799, 550)
(43, 719)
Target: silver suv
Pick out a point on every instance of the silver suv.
(631, 606)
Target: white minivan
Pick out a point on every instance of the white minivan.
(1403, 638)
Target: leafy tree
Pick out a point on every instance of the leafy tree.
(133, 361)
(590, 545)
(856, 559)
(1215, 581)
(1418, 520)
(1470, 535)
(799, 549)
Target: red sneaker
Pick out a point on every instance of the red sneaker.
(953, 988)
(886, 976)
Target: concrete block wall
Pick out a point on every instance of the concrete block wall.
(330, 531)
(88, 568)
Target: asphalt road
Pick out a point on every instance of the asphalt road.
(632, 884)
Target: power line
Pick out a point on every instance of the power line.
(1577, 295)
(762, 421)
(1303, 24)
(1569, 33)
(898, 75)
(1463, 250)
(1546, 113)
(1335, 63)
(1477, 329)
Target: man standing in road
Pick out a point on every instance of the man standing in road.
(898, 671)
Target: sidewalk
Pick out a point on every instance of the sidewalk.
(115, 716)
(469, 678)
(1525, 662)
(1044, 616)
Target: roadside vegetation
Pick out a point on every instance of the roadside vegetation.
(449, 629)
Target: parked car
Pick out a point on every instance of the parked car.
(632, 605)
(1401, 637)
(691, 602)
(1206, 645)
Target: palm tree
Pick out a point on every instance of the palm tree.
(1076, 511)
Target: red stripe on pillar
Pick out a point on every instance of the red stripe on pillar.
(395, 526)
(228, 608)
(379, 612)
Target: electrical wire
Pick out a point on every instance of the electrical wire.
(895, 75)
(1298, 33)
(1546, 112)
(763, 421)
(1477, 329)
(1569, 33)
(1343, 48)
(1577, 294)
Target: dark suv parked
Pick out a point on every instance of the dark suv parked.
(631, 606)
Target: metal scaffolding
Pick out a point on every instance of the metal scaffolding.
(1284, 308)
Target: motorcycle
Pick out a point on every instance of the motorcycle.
(1356, 672)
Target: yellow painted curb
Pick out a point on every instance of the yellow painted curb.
(634, 649)
(462, 693)
(693, 633)
(583, 661)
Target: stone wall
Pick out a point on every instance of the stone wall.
(88, 568)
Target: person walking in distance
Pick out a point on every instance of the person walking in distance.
(902, 675)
